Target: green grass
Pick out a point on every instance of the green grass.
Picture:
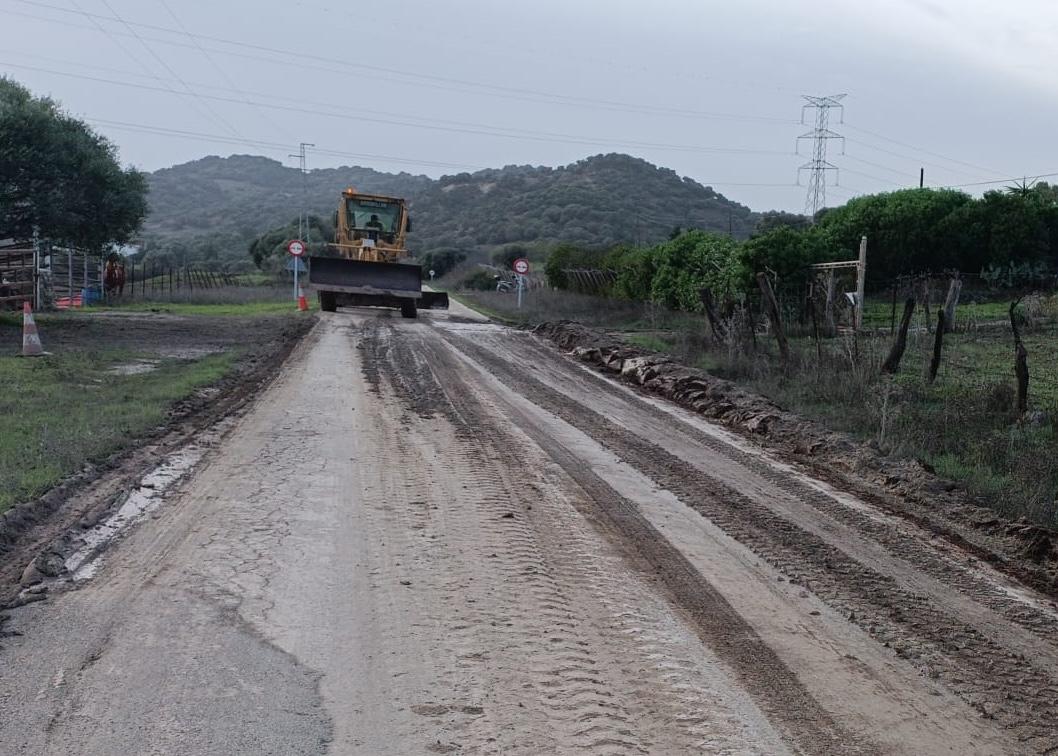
(878, 313)
(212, 308)
(648, 341)
(963, 424)
(59, 412)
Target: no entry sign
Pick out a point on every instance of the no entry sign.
(296, 247)
(521, 266)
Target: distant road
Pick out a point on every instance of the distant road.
(443, 536)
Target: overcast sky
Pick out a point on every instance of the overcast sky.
(965, 88)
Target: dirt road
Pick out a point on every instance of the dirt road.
(443, 536)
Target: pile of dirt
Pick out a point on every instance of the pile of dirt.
(907, 488)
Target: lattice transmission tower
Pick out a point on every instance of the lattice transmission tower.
(818, 166)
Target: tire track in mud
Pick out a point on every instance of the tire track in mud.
(771, 683)
(880, 528)
(1000, 683)
(562, 657)
(531, 614)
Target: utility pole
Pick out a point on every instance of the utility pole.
(921, 177)
(303, 230)
(818, 166)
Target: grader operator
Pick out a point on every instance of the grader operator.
(368, 264)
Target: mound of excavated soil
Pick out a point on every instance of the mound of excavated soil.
(900, 486)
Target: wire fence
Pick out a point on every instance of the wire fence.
(131, 281)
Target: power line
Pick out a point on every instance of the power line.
(281, 147)
(916, 160)
(167, 67)
(536, 54)
(271, 146)
(216, 67)
(92, 18)
(818, 166)
(874, 178)
(1001, 181)
(462, 128)
(530, 95)
(920, 149)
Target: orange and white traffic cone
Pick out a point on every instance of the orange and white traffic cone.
(31, 346)
(302, 304)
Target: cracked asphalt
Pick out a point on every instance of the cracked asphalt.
(443, 536)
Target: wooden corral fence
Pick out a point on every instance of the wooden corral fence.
(591, 281)
(17, 279)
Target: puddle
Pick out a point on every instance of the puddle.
(83, 563)
(188, 353)
(147, 364)
(462, 326)
(136, 367)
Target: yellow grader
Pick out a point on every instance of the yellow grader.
(368, 264)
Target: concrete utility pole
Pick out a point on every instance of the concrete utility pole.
(818, 166)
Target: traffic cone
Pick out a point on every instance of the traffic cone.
(31, 346)
(302, 304)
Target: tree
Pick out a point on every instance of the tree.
(505, 257)
(61, 178)
(272, 244)
(907, 230)
(696, 260)
(787, 252)
(776, 219)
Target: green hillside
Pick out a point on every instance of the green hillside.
(210, 209)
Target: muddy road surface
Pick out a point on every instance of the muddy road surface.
(444, 536)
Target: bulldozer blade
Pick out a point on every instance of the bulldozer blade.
(379, 279)
(434, 300)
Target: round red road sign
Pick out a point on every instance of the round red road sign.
(296, 247)
(521, 266)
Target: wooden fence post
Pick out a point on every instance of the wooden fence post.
(954, 289)
(926, 285)
(892, 316)
(892, 362)
(706, 295)
(815, 329)
(1021, 364)
(828, 308)
(861, 282)
(938, 340)
(773, 314)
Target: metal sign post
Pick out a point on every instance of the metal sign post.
(521, 270)
(296, 247)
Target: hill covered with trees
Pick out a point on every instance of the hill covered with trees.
(214, 208)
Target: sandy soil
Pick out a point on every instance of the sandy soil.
(444, 536)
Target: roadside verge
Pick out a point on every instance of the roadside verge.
(36, 535)
(905, 488)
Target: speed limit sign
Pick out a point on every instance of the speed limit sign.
(296, 247)
(521, 266)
